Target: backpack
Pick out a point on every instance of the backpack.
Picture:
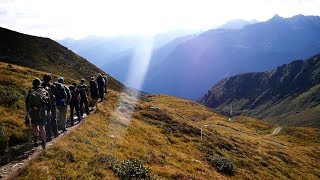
(74, 93)
(105, 82)
(100, 81)
(37, 98)
(61, 95)
(51, 88)
(82, 89)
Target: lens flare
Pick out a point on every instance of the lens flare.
(122, 115)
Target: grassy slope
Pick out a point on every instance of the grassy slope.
(16, 81)
(47, 55)
(164, 133)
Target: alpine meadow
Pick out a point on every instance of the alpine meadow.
(159, 90)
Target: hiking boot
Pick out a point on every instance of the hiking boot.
(56, 135)
(35, 144)
(43, 144)
(35, 141)
(49, 139)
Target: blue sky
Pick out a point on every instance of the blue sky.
(60, 19)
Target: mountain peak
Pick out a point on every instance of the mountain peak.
(276, 17)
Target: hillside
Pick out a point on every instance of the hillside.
(194, 65)
(46, 55)
(160, 136)
(14, 135)
(288, 94)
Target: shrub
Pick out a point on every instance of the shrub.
(126, 169)
(223, 165)
(8, 98)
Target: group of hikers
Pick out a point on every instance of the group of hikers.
(46, 104)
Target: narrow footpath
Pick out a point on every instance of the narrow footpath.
(12, 169)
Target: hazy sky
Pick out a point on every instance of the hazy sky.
(59, 19)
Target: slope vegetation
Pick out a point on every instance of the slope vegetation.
(286, 95)
(159, 136)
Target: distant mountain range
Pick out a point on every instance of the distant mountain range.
(188, 65)
(194, 65)
(105, 50)
(288, 94)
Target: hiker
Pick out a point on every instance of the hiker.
(74, 103)
(62, 101)
(51, 126)
(83, 97)
(94, 91)
(101, 86)
(36, 102)
(105, 83)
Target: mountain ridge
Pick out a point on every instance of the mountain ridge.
(216, 54)
(258, 94)
(46, 55)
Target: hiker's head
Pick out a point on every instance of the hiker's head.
(92, 78)
(82, 81)
(99, 74)
(36, 83)
(61, 80)
(47, 78)
(74, 84)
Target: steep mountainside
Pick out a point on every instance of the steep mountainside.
(46, 55)
(191, 68)
(160, 137)
(286, 95)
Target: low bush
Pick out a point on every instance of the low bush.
(223, 165)
(8, 98)
(126, 169)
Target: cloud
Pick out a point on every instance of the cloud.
(78, 18)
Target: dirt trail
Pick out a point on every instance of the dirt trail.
(12, 169)
(276, 131)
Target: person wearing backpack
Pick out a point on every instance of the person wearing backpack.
(37, 99)
(62, 101)
(94, 91)
(83, 97)
(74, 103)
(51, 126)
(101, 86)
(105, 82)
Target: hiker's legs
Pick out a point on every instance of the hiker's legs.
(86, 105)
(48, 128)
(54, 127)
(35, 130)
(101, 93)
(62, 117)
(35, 135)
(42, 133)
(72, 113)
(77, 107)
(81, 106)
